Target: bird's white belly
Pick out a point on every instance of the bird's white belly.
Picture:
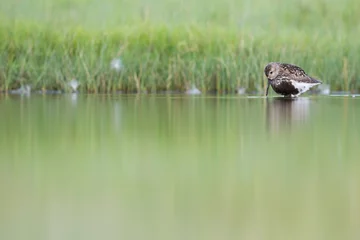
(303, 87)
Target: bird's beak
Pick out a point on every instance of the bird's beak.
(267, 88)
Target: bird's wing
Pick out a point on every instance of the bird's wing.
(296, 73)
(292, 69)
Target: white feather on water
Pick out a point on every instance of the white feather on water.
(74, 85)
(193, 91)
(324, 89)
(23, 90)
(241, 91)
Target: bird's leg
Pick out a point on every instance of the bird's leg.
(267, 88)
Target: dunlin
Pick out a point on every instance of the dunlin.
(288, 80)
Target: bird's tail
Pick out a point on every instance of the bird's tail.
(313, 80)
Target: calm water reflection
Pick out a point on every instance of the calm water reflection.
(285, 113)
(177, 167)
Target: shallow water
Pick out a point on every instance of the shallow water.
(179, 167)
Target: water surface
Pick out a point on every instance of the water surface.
(179, 167)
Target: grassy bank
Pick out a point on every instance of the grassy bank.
(209, 50)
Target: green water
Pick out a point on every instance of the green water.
(179, 167)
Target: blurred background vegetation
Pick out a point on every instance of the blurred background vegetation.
(219, 46)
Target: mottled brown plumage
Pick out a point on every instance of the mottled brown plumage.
(287, 79)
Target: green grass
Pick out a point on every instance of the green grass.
(218, 45)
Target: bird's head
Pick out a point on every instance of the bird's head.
(272, 70)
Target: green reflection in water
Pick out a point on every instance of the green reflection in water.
(177, 167)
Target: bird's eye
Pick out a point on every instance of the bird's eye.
(271, 72)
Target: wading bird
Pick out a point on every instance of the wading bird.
(288, 80)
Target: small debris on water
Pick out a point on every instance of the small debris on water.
(116, 64)
(23, 90)
(74, 84)
(193, 90)
(241, 91)
(340, 94)
(324, 89)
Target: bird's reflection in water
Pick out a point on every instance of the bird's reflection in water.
(284, 113)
